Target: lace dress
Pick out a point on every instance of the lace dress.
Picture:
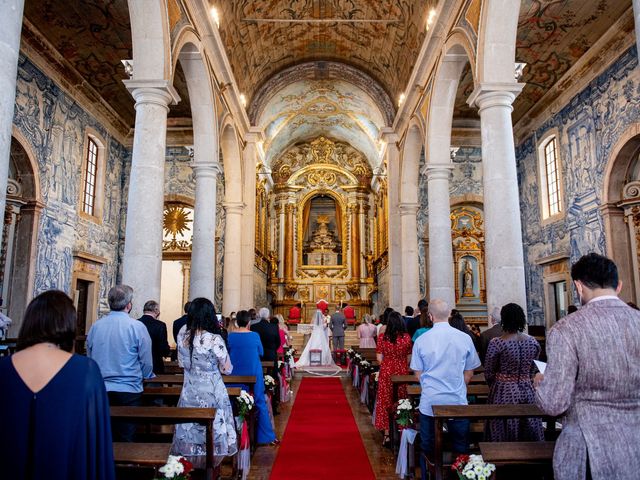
(203, 388)
(319, 341)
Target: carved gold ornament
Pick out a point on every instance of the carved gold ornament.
(176, 221)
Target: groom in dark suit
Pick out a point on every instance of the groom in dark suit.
(338, 326)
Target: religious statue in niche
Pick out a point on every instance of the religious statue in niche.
(467, 274)
(321, 249)
(273, 263)
(322, 236)
(467, 280)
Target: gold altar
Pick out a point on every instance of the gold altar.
(322, 228)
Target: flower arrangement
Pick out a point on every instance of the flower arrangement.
(366, 368)
(280, 364)
(245, 403)
(375, 375)
(350, 353)
(269, 383)
(472, 467)
(289, 353)
(176, 468)
(405, 413)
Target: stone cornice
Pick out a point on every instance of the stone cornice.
(601, 55)
(44, 55)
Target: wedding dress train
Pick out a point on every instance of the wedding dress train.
(317, 341)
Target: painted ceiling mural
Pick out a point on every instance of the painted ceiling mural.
(552, 36)
(380, 37)
(332, 108)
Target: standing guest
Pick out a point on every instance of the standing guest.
(425, 325)
(338, 326)
(282, 325)
(421, 317)
(367, 333)
(456, 320)
(295, 313)
(593, 379)
(494, 330)
(509, 371)
(283, 335)
(409, 320)
(54, 409)
(204, 356)
(349, 314)
(254, 316)
(246, 349)
(181, 322)
(269, 336)
(393, 352)
(443, 359)
(5, 323)
(383, 322)
(158, 333)
(121, 347)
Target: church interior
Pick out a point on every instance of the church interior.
(279, 153)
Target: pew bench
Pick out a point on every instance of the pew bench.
(517, 453)
(144, 454)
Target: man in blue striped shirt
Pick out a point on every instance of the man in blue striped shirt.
(121, 347)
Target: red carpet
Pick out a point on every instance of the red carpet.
(322, 439)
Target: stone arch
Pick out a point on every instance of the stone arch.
(232, 161)
(413, 144)
(618, 205)
(150, 39)
(497, 41)
(24, 206)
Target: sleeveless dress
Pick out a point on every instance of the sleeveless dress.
(203, 388)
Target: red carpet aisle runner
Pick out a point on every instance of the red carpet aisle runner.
(322, 439)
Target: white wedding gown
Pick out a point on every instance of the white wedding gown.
(318, 341)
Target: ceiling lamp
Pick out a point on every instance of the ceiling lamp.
(243, 100)
(401, 99)
(215, 16)
(431, 17)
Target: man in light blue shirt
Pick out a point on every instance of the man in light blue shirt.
(443, 359)
(121, 347)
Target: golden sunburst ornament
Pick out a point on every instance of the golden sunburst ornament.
(176, 220)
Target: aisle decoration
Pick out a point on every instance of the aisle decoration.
(269, 385)
(472, 467)
(406, 453)
(285, 387)
(405, 413)
(245, 405)
(176, 468)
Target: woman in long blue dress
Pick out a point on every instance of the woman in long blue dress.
(246, 349)
(54, 410)
(204, 356)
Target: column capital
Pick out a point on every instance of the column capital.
(254, 135)
(233, 207)
(438, 171)
(408, 208)
(492, 94)
(206, 169)
(159, 92)
(389, 135)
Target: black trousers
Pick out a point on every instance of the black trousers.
(123, 431)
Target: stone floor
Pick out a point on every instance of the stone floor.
(381, 459)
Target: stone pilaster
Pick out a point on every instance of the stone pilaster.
(410, 264)
(142, 262)
(393, 225)
(231, 282)
(441, 279)
(203, 258)
(503, 229)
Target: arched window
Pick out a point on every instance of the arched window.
(550, 178)
(92, 191)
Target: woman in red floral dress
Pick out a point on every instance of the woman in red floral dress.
(393, 352)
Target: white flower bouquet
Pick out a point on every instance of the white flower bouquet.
(472, 467)
(269, 383)
(245, 403)
(405, 413)
(176, 468)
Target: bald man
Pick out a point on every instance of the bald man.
(443, 359)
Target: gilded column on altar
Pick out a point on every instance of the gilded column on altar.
(354, 210)
(289, 210)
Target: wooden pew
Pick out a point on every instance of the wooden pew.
(474, 412)
(171, 416)
(249, 380)
(514, 453)
(144, 454)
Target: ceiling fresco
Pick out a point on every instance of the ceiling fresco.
(552, 36)
(332, 108)
(385, 48)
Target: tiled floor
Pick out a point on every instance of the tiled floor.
(382, 459)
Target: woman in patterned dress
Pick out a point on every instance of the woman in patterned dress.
(203, 355)
(509, 371)
(393, 352)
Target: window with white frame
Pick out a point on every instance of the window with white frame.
(550, 177)
(90, 177)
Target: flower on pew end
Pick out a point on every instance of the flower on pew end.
(405, 412)
(245, 403)
(176, 468)
(472, 467)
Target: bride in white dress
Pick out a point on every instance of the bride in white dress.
(318, 341)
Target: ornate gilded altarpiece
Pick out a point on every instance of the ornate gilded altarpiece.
(322, 227)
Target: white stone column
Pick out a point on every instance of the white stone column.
(503, 228)
(142, 262)
(394, 225)
(441, 279)
(636, 16)
(231, 283)
(249, 161)
(410, 273)
(10, 28)
(203, 258)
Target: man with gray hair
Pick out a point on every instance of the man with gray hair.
(158, 333)
(121, 347)
(494, 330)
(443, 359)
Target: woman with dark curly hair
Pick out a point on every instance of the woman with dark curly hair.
(393, 353)
(509, 370)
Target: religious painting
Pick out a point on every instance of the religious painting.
(322, 227)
